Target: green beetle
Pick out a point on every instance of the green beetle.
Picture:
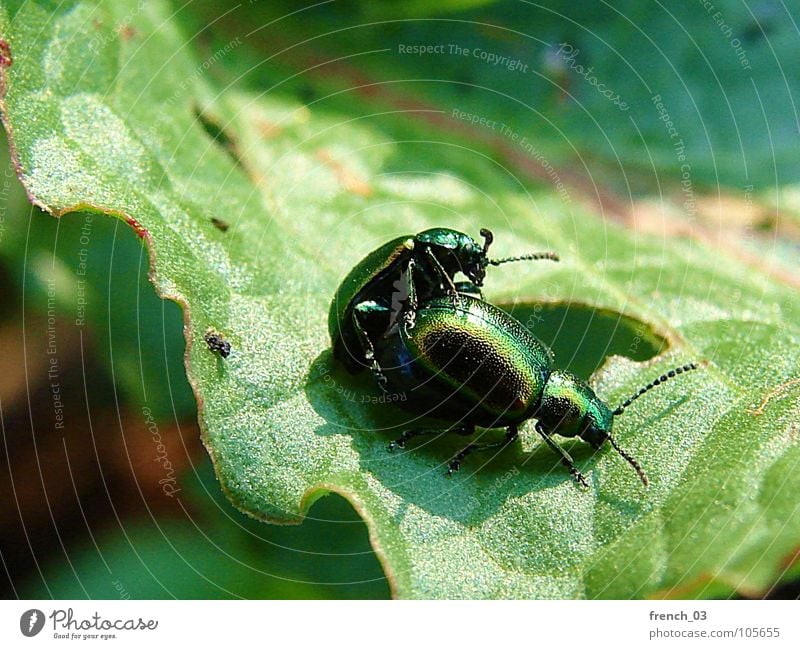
(397, 276)
(475, 365)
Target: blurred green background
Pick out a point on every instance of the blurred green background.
(82, 512)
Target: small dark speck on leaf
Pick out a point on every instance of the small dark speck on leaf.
(5, 54)
(220, 224)
(217, 343)
(218, 134)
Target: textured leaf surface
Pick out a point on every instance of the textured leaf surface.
(100, 119)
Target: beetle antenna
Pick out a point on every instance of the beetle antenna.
(631, 461)
(661, 379)
(552, 256)
(489, 237)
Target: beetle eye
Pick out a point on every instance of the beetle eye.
(477, 274)
(594, 436)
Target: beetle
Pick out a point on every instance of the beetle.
(216, 343)
(475, 365)
(396, 277)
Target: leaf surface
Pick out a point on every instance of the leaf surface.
(102, 109)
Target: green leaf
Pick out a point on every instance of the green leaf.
(215, 553)
(100, 121)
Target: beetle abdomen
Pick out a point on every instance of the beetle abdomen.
(473, 363)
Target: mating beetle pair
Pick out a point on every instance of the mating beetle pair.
(458, 358)
(396, 278)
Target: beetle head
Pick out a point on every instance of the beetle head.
(457, 251)
(571, 408)
(474, 257)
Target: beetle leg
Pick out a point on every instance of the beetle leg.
(368, 349)
(566, 459)
(447, 281)
(410, 308)
(455, 463)
(400, 442)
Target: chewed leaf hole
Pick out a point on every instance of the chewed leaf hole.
(582, 336)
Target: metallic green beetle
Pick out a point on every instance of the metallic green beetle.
(396, 277)
(475, 365)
